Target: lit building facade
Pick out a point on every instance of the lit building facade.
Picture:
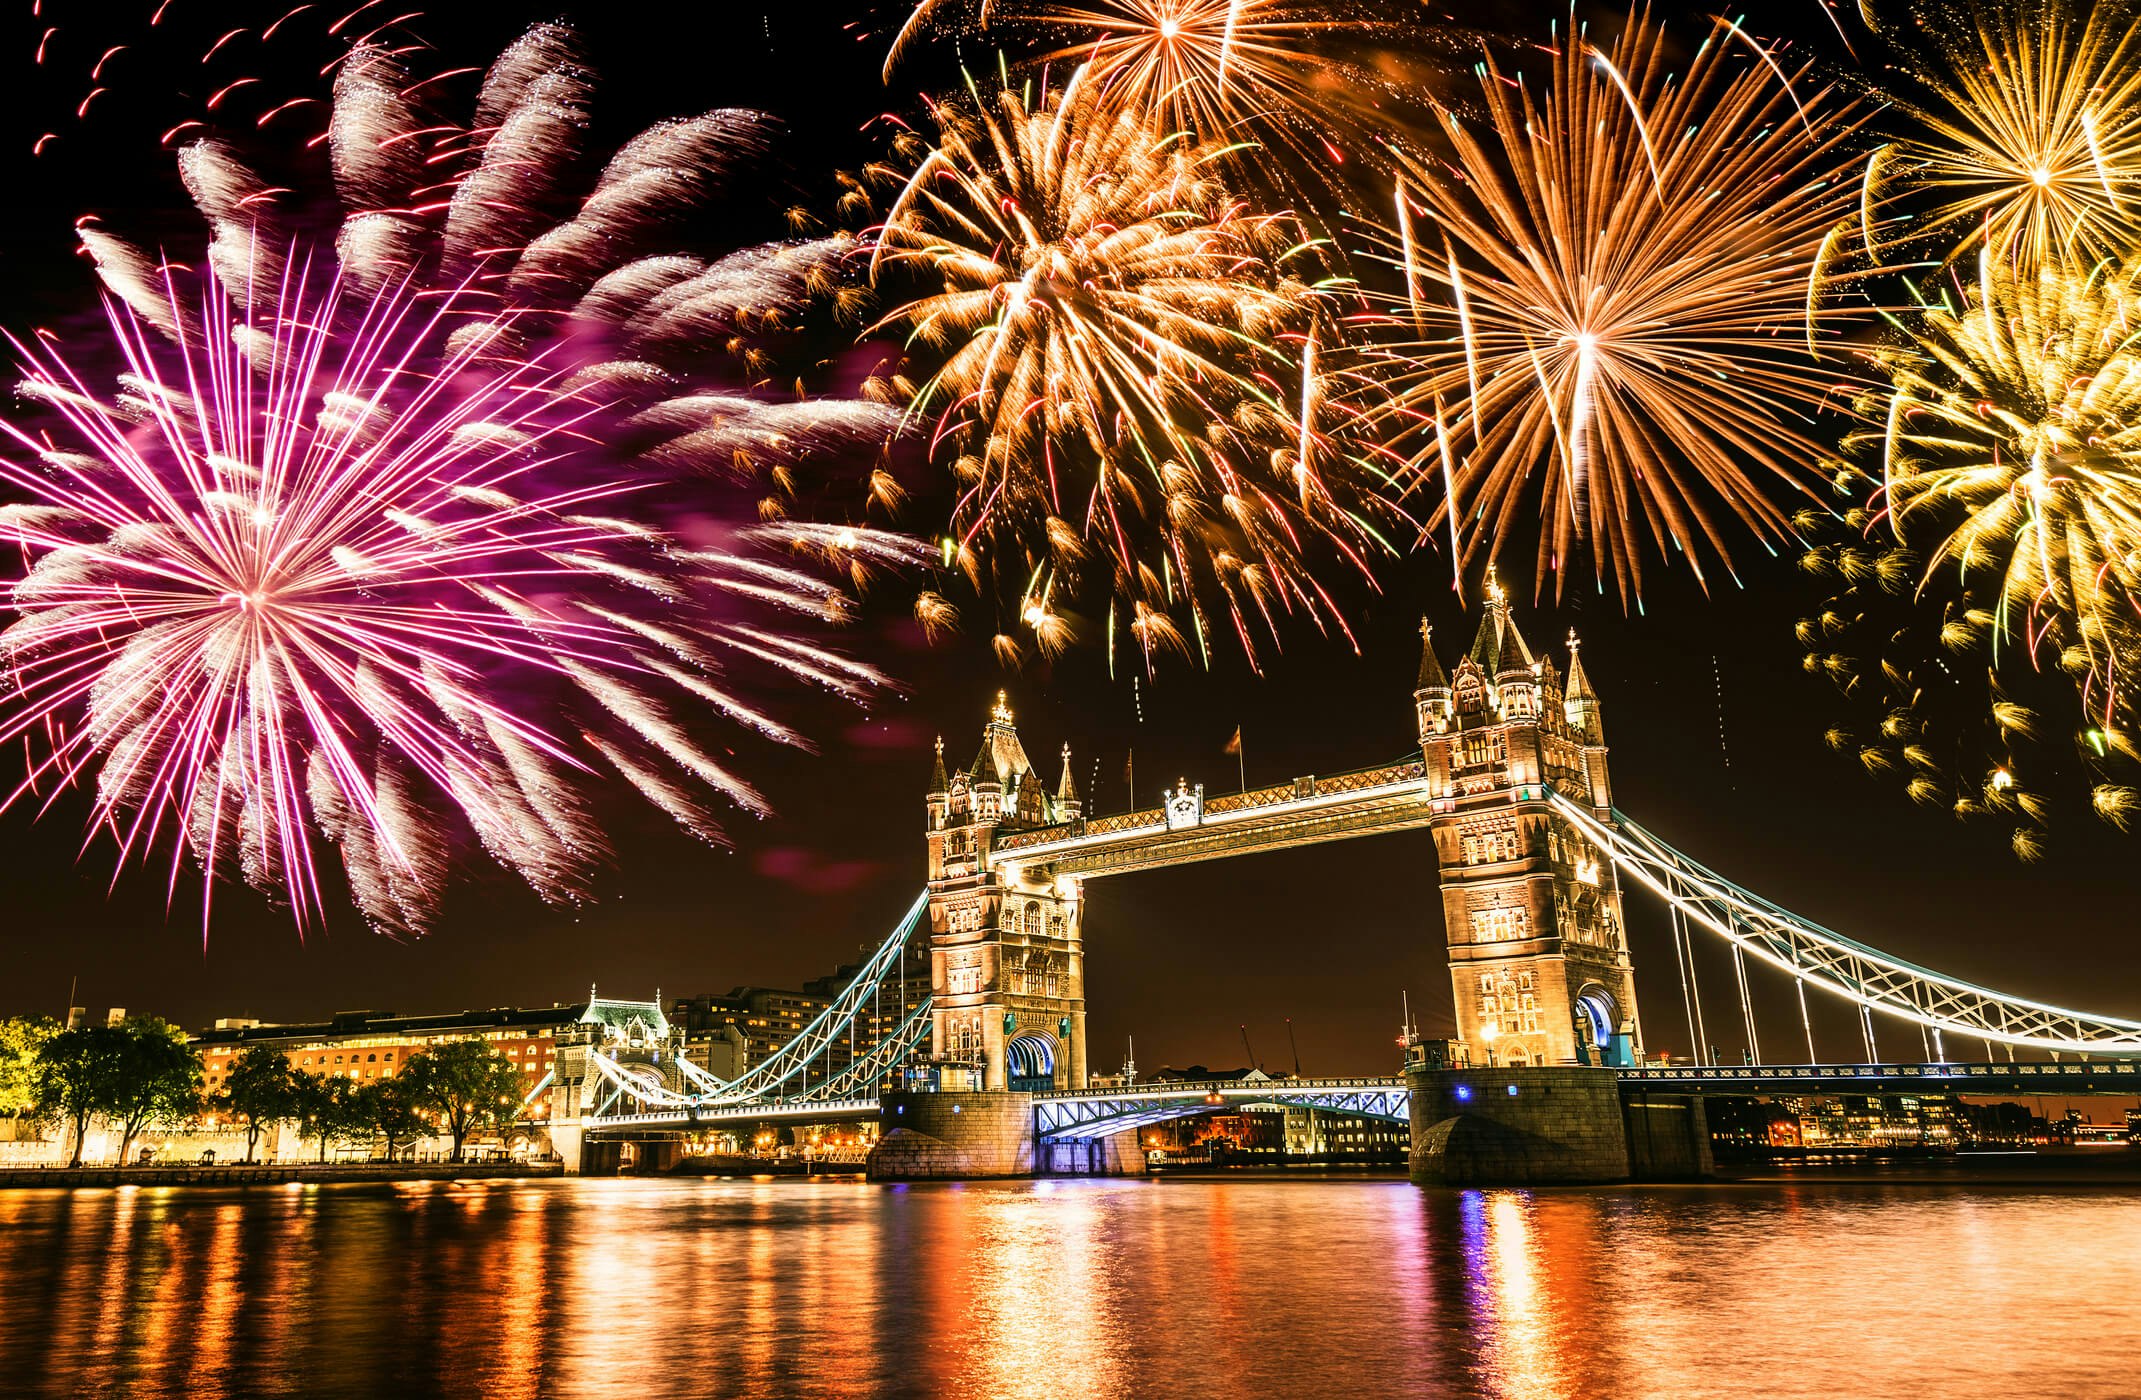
(371, 1045)
(1007, 958)
(1538, 951)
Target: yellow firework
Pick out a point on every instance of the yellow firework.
(1124, 372)
(1609, 285)
(2013, 454)
(1983, 625)
(2032, 135)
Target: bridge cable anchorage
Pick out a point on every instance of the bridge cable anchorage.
(761, 1088)
(1858, 972)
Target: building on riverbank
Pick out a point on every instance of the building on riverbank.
(365, 1045)
(370, 1045)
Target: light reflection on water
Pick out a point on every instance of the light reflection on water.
(1069, 1289)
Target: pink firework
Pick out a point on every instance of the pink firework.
(409, 551)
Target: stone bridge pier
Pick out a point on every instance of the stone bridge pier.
(1550, 1125)
(981, 1134)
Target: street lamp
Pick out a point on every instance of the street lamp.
(1489, 1032)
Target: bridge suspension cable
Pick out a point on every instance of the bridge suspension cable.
(765, 1082)
(1872, 979)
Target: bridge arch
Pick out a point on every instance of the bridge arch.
(1601, 1014)
(1030, 1063)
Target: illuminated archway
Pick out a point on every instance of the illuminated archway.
(1030, 1064)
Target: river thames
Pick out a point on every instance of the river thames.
(648, 1288)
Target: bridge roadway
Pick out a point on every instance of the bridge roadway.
(1069, 1115)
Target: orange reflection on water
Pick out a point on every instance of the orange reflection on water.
(1067, 1289)
(1039, 1316)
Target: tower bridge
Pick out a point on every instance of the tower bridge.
(1531, 906)
(1546, 1078)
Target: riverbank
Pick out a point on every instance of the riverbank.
(2116, 1166)
(272, 1174)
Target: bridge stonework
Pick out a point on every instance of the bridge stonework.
(1538, 950)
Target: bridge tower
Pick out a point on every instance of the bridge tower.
(1538, 949)
(1007, 964)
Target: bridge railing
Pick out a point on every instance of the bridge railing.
(1206, 1086)
(1943, 1072)
(712, 1115)
(1155, 818)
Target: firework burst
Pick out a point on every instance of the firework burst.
(2028, 139)
(1319, 79)
(1994, 578)
(401, 549)
(1608, 290)
(1126, 381)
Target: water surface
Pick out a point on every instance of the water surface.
(1063, 1289)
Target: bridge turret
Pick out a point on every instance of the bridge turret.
(1431, 694)
(940, 791)
(1067, 804)
(1587, 719)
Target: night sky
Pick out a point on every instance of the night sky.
(1716, 732)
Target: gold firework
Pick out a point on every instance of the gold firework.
(1610, 290)
(1216, 66)
(2013, 452)
(1126, 382)
(2032, 136)
(1987, 581)
(1275, 75)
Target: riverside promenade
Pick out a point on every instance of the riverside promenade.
(272, 1173)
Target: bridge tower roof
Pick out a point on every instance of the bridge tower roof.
(1002, 759)
(1579, 685)
(1499, 647)
(1431, 676)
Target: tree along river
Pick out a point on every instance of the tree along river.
(1253, 1287)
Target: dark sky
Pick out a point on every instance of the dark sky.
(1716, 733)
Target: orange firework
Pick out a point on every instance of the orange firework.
(1608, 291)
(1125, 382)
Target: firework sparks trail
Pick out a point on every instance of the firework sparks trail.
(2027, 138)
(411, 543)
(1626, 256)
(1317, 79)
(1119, 345)
(1998, 555)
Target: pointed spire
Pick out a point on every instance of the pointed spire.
(1579, 686)
(938, 782)
(1486, 650)
(1066, 791)
(1431, 677)
(1498, 648)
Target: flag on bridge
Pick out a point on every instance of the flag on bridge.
(1234, 744)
